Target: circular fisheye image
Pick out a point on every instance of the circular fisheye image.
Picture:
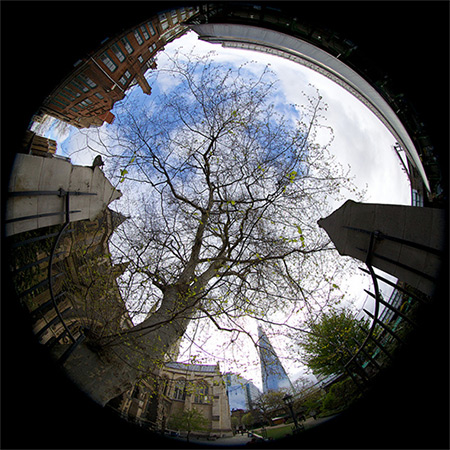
(227, 228)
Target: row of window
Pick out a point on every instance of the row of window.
(141, 34)
(82, 83)
(109, 62)
(173, 17)
(179, 393)
(73, 89)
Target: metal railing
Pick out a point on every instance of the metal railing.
(49, 282)
(353, 366)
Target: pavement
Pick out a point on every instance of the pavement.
(239, 440)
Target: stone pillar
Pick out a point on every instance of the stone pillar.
(35, 175)
(221, 408)
(410, 243)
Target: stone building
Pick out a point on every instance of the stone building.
(178, 387)
(87, 95)
(85, 286)
(38, 193)
(86, 297)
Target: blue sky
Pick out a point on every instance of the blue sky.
(360, 141)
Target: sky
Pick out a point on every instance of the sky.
(360, 141)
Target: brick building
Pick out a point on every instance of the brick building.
(87, 95)
(33, 144)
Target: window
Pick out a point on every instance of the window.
(85, 103)
(127, 45)
(150, 27)
(56, 103)
(152, 48)
(166, 386)
(88, 81)
(67, 95)
(201, 394)
(118, 52)
(71, 92)
(80, 85)
(125, 77)
(98, 95)
(417, 199)
(108, 62)
(59, 98)
(140, 59)
(183, 14)
(174, 17)
(180, 390)
(138, 37)
(144, 32)
(163, 21)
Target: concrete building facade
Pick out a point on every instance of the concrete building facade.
(36, 196)
(409, 242)
(265, 40)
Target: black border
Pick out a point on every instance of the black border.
(40, 42)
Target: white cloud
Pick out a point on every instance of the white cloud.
(361, 141)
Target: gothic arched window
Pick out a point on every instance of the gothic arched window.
(180, 390)
(201, 393)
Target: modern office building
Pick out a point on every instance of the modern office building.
(242, 393)
(215, 27)
(274, 377)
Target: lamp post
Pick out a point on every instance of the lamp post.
(289, 402)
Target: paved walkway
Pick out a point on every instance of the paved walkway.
(239, 439)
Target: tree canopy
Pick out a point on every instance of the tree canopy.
(333, 339)
(230, 192)
(223, 184)
(188, 420)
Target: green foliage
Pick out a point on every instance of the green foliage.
(189, 420)
(332, 341)
(341, 395)
(248, 419)
(313, 402)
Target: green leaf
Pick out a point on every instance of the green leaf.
(292, 176)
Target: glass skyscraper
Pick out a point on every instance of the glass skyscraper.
(274, 377)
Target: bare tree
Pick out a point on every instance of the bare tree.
(227, 184)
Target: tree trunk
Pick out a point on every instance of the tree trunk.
(104, 371)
